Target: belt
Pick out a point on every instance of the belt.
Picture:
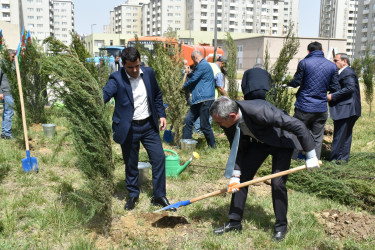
(140, 122)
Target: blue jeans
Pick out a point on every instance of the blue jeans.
(199, 110)
(6, 124)
(197, 125)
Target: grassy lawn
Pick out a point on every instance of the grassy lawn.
(47, 210)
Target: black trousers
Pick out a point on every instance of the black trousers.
(252, 159)
(342, 138)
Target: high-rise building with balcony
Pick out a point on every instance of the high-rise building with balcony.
(63, 20)
(127, 18)
(42, 18)
(268, 17)
(366, 28)
(35, 15)
(338, 19)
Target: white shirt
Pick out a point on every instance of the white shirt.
(141, 107)
(340, 70)
(244, 129)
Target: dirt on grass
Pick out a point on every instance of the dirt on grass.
(161, 229)
(352, 225)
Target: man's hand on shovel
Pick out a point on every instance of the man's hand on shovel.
(234, 182)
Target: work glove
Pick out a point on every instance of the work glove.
(312, 161)
(234, 181)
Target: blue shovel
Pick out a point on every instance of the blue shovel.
(224, 190)
(29, 163)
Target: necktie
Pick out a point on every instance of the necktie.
(233, 153)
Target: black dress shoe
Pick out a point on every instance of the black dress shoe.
(279, 235)
(162, 201)
(230, 226)
(130, 204)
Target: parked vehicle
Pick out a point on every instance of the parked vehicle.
(207, 50)
(107, 53)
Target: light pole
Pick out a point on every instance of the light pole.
(92, 38)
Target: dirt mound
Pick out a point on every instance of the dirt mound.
(347, 224)
(150, 227)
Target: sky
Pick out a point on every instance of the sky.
(95, 14)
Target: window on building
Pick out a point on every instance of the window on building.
(39, 25)
(30, 17)
(30, 25)
(39, 9)
(30, 9)
(39, 18)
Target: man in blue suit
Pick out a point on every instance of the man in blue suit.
(138, 106)
(345, 109)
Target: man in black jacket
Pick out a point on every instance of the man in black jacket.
(345, 109)
(256, 82)
(264, 130)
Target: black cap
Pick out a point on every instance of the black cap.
(221, 59)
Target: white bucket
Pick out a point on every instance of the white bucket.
(143, 168)
(188, 144)
(49, 130)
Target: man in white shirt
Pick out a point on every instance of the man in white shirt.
(138, 107)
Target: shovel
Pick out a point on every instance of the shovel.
(29, 163)
(224, 190)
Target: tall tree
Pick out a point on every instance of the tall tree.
(279, 95)
(357, 67)
(368, 74)
(89, 124)
(231, 67)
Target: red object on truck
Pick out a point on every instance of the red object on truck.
(186, 50)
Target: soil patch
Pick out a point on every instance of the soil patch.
(347, 224)
(153, 228)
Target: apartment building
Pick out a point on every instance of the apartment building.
(126, 18)
(63, 20)
(42, 18)
(160, 15)
(338, 19)
(269, 17)
(366, 28)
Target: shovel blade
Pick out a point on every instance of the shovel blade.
(174, 205)
(29, 163)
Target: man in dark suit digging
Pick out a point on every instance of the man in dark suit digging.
(264, 130)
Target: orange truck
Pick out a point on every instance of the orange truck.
(207, 50)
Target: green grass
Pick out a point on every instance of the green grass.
(49, 210)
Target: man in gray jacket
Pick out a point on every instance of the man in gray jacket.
(7, 99)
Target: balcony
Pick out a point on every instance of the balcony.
(364, 30)
(364, 39)
(365, 20)
(232, 26)
(204, 2)
(204, 17)
(233, 12)
(249, 27)
(232, 4)
(365, 12)
(249, 5)
(204, 25)
(367, 2)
